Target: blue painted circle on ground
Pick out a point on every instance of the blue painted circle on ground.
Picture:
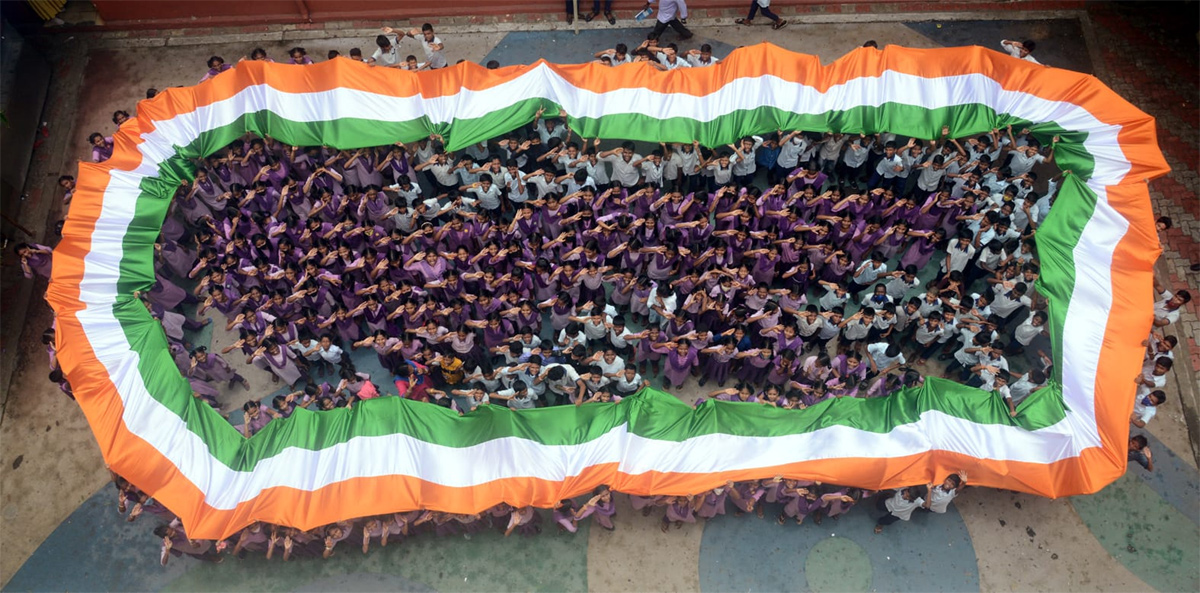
(930, 553)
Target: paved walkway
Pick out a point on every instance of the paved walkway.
(61, 530)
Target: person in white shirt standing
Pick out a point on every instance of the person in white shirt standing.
(670, 13)
(941, 495)
(900, 506)
(431, 43)
(1022, 50)
(701, 57)
(744, 166)
(623, 159)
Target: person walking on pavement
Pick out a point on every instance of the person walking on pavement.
(669, 14)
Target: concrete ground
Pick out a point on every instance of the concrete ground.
(60, 531)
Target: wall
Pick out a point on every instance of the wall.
(145, 13)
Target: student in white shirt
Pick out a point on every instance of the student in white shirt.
(1167, 308)
(518, 396)
(701, 57)
(900, 506)
(1146, 406)
(884, 357)
(744, 165)
(617, 55)
(622, 160)
(431, 43)
(999, 385)
(669, 58)
(388, 52)
(791, 145)
(1026, 385)
(1022, 50)
(1008, 303)
(942, 494)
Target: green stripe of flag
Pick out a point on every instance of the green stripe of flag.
(655, 416)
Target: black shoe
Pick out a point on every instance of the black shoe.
(570, 19)
(684, 21)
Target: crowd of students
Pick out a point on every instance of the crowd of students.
(539, 268)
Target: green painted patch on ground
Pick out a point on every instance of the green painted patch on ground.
(1149, 536)
(838, 564)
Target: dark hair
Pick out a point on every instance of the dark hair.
(382, 41)
(870, 43)
(1029, 45)
(1140, 441)
(555, 373)
(492, 65)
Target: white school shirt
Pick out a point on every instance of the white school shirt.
(696, 61)
(1004, 304)
(678, 63)
(1161, 311)
(1021, 389)
(1142, 411)
(930, 177)
(789, 152)
(901, 508)
(442, 173)
(518, 192)
(518, 403)
(897, 287)
(855, 157)
(623, 386)
(1022, 164)
(886, 167)
(544, 187)
(488, 200)
(564, 162)
(623, 171)
(689, 162)
(616, 368)
(434, 57)
(333, 354)
(652, 172)
(411, 196)
(720, 175)
(598, 172)
(1016, 53)
(939, 499)
(1027, 331)
(830, 300)
(870, 273)
(958, 257)
(671, 166)
(746, 165)
(545, 134)
(878, 353)
(565, 385)
(806, 329)
(619, 341)
(612, 57)
(391, 57)
(829, 149)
